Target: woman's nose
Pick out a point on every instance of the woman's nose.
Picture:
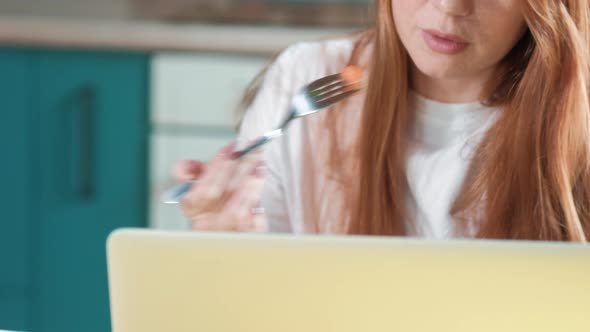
(455, 7)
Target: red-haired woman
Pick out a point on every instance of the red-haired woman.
(475, 122)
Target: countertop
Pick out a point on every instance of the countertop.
(152, 36)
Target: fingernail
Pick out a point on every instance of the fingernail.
(259, 169)
(192, 167)
(234, 155)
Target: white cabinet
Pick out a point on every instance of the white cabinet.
(194, 98)
(200, 89)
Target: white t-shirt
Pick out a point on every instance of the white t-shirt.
(444, 138)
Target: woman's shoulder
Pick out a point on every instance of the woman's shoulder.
(324, 49)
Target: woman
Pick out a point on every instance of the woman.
(475, 122)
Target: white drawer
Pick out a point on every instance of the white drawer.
(165, 152)
(200, 89)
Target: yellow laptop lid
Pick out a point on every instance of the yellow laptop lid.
(214, 282)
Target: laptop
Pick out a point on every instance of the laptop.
(216, 282)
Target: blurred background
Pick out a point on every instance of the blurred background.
(100, 99)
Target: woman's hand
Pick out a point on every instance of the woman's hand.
(226, 194)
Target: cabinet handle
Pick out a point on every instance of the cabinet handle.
(81, 143)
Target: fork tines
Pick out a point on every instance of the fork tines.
(329, 90)
(324, 82)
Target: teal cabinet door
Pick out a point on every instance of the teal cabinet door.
(93, 117)
(17, 196)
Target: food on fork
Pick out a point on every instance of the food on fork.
(352, 77)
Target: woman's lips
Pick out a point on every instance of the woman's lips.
(444, 43)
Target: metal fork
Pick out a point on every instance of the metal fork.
(312, 98)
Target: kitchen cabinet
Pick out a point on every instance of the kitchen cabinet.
(16, 192)
(200, 89)
(75, 129)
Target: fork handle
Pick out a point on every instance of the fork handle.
(257, 143)
(251, 147)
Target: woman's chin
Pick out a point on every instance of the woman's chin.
(442, 71)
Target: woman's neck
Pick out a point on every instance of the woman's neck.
(455, 90)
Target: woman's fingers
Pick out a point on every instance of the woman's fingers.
(207, 193)
(255, 223)
(244, 169)
(227, 192)
(240, 210)
(246, 202)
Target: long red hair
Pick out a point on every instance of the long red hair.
(530, 176)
